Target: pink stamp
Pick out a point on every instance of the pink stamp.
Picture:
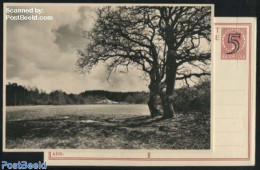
(233, 43)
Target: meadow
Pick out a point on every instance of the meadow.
(98, 126)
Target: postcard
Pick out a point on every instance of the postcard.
(129, 84)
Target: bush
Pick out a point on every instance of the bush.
(196, 98)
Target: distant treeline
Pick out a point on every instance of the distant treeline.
(185, 99)
(20, 95)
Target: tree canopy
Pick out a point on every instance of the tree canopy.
(167, 43)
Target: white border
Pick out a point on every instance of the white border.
(107, 4)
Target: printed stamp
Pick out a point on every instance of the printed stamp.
(233, 43)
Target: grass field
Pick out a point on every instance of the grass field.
(102, 127)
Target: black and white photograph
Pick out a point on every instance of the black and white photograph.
(100, 76)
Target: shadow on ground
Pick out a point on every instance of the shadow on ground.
(187, 131)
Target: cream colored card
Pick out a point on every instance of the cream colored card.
(39, 51)
(233, 111)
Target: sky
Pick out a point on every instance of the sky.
(43, 54)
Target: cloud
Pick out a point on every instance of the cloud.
(71, 36)
(42, 53)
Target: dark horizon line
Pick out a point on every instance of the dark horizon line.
(41, 90)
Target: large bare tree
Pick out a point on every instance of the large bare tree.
(163, 42)
(121, 37)
(183, 29)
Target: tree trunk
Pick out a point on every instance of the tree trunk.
(167, 98)
(152, 104)
(167, 106)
